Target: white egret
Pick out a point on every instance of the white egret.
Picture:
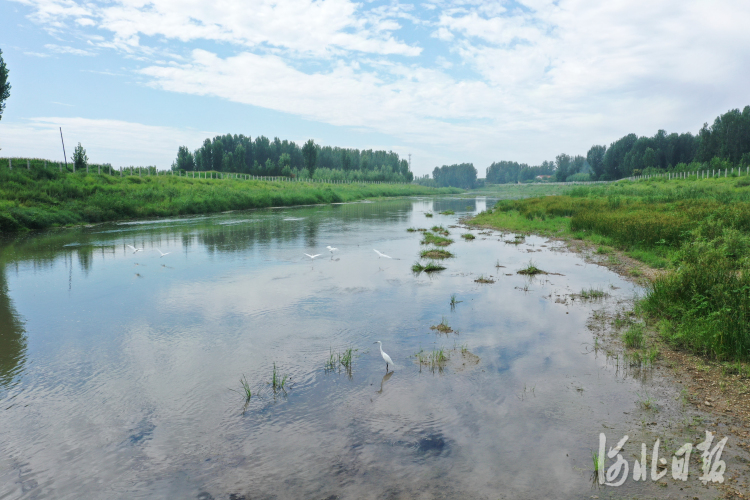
(331, 249)
(312, 257)
(381, 254)
(135, 250)
(162, 253)
(386, 358)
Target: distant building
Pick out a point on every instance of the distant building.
(543, 177)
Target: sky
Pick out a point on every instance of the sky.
(445, 81)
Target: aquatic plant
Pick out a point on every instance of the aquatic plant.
(442, 327)
(278, 381)
(430, 267)
(434, 239)
(454, 301)
(435, 253)
(440, 230)
(483, 279)
(468, 236)
(531, 270)
(447, 212)
(593, 293)
(633, 338)
(428, 214)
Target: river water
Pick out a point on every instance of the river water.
(120, 371)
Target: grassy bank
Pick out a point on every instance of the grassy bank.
(40, 198)
(698, 230)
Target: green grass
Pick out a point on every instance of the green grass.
(428, 214)
(468, 236)
(278, 381)
(633, 337)
(345, 359)
(44, 197)
(433, 359)
(430, 267)
(593, 293)
(697, 230)
(440, 230)
(454, 301)
(447, 212)
(434, 239)
(435, 253)
(531, 270)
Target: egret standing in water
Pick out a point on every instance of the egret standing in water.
(386, 358)
(331, 249)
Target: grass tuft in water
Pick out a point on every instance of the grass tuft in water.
(447, 212)
(278, 381)
(531, 270)
(468, 236)
(593, 293)
(442, 327)
(435, 253)
(454, 301)
(633, 338)
(433, 359)
(440, 230)
(428, 214)
(434, 239)
(483, 279)
(430, 267)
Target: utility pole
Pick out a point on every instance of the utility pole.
(64, 155)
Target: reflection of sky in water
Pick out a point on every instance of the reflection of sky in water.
(130, 359)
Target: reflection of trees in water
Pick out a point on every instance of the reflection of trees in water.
(12, 336)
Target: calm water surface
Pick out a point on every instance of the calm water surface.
(118, 371)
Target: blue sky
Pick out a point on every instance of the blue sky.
(447, 81)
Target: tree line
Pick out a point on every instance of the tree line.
(264, 157)
(723, 144)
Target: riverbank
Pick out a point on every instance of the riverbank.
(42, 198)
(687, 243)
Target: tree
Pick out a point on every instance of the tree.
(310, 153)
(595, 157)
(184, 159)
(80, 160)
(4, 85)
(563, 170)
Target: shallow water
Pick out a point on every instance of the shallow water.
(118, 371)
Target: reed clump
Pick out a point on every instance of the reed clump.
(468, 236)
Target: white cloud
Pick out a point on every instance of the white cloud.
(317, 27)
(61, 49)
(106, 141)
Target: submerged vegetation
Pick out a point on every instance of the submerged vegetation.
(41, 197)
(696, 229)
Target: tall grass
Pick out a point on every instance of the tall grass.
(43, 197)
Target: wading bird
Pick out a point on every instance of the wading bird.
(135, 250)
(312, 257)
(162, 253)
(386, 358)
(381, 254)
(331, 249)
